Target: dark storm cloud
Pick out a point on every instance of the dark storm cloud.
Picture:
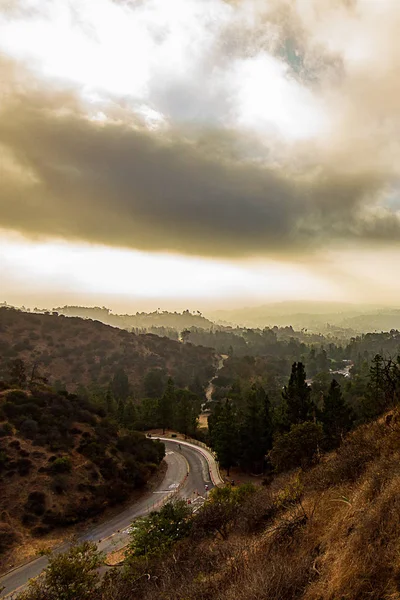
(121, 185)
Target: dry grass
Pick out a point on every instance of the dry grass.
(339, 540)
(331, 534)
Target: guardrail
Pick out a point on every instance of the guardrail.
(192, 442)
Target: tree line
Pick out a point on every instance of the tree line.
(246, 429)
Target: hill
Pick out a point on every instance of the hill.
(61, 463)
(73, 352)
(340, 319)
(326, 532)
(157, 319)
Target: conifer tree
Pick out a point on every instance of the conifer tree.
(297, 396)
(223, 430)
(336, 416)
(256, 429)
(166, 406)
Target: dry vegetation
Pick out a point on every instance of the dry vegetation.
(327, 534)
(81, 352)
(65, 467)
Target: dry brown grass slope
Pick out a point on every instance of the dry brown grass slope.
(331, 533)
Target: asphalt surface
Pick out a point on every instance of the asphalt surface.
(185, 464)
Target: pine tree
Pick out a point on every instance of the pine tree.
(374, 402)
(297, 395)
(336, 416)
(187, 410)
(120, 385)
(224, 435)
(256, 429)
(166, 406)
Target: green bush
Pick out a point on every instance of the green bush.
(297, 448)
(152, 535)
(62, 465)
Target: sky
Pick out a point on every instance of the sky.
(199, 153)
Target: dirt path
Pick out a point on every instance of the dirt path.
(210, 387)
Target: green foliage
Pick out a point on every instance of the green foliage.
(62, 465)
(154, 383)
(298, 447)
(223, 429)
(158, 531)
(290, 495)
(69, 576)
(297, 394)
(222, 509)
(336, 416)
(166, 406)
(120, 385)
(255, 430)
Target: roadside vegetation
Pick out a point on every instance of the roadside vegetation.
(328, 531)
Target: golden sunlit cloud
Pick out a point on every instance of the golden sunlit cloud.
(148, 134)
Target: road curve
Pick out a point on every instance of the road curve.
(187, 474)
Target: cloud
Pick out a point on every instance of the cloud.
(117, 184)
(215, 176)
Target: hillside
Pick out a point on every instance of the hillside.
(62, 463)
(73, 352)
(143, 320)
(327, 532)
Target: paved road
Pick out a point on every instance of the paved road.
(114, 533)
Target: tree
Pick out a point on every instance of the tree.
(120, 385)
(186, 413)
(336, 416)
(129, 417)
(17, 373)
(155, 533)
(256, 429)
(219, 513)
(296, 394)
(69, 576)
(224, 435)
(298, 447)
(154, 383)
(166, 406)
(36, 379)
(185, 334)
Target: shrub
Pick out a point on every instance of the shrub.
(297, 448)
(62, 465)
(36, 503)
(60, 484)
(6, 430)
(152, 535)
(24, 466)
(72, 575)
(29, 428)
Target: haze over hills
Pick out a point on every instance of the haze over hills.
(332, 318)
(315, 316)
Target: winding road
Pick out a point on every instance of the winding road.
(188, 472)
